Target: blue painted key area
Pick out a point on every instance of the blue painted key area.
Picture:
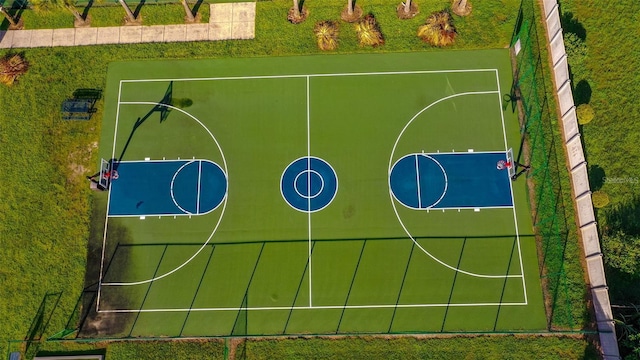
(454, 180)
(179, 187)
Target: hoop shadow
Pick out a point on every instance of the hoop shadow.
(164, 114)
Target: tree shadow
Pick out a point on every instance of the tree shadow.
(40, 322)
(196, 7)
(136, 12)
(15, 10)
(571, 25)
(625, 217)
(582, 92)
(596, 177)
(85, 12)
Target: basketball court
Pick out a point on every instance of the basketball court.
(316, 195)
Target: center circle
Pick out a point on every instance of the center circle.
(309, 184)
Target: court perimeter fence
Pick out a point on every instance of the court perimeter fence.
(537, 121)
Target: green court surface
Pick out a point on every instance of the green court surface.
(362, 262)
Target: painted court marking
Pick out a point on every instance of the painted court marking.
(392, 197)
(113, 151)
(311, 306)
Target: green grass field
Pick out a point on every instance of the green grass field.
(256, 266)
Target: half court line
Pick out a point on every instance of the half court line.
(309, 187)
(418, 183)
(199, 187)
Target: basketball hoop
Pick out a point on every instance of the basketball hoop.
(502, 164)
(114, 175)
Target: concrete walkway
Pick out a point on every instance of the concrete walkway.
(226, 21)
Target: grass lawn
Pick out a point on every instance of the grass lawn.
(43, 222)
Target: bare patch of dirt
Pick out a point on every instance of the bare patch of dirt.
(78, 160)
(351, 18)
(460, 10)
(413, 11)
(297, 19)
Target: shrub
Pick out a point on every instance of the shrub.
(11, 67)
(585, 114)
(327, 34)
(438, 30)
(600, 199)
(576, 50)
(368, 31)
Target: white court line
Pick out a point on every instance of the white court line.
(199, 187)
(310, 75)
(308, 116)
(463, 152)
(106, 219)
(418, 183)
(325, 307)
(436, 209)
(515, 216)
(184, 212)
(391, 195)
(309, 188)
(223, 203)
(173, 179)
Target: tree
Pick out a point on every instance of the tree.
(189, 17)
(622, 252)
(48, 5)
(627, 319)
(13, 24)
(131, 18)
(352, 12)
(407, 10)
(461, 7)
(298, 12)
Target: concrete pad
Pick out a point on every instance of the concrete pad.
(245, 11)
(108, 35)
(175, 33)
(153, 33)
(220, 12)
(220, 31)
(42, 38)
(242, 30)
(21, 39)
(86, 36)
(197, 32)
(130, 34)
(64, 37)
(6, 39)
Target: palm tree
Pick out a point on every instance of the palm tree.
(298, 13)
(131, 18)
(189, 14)
(352, 12)
(47, 5)
(12, 22)
(407, 6)
(461, 7)
(407, 10)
